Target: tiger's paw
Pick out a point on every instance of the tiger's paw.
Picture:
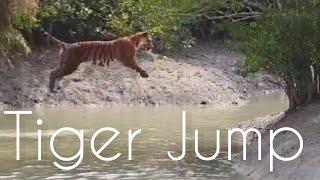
(144, 74)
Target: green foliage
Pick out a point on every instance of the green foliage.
(23, 21)
(80, 18)
(170, 22)
(12, 41)
(286, 44)
(17, 20)
(283, 43)
(162, 18)
(212, 16)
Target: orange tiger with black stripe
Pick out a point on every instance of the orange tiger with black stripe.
(123, 49)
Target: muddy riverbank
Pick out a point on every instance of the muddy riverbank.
(307, 122)
(206, 74)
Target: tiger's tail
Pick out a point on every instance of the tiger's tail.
(55, 40)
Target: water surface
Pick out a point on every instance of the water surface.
(161, 132)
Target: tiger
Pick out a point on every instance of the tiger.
(123, 49)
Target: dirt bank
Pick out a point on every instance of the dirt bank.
(306, 166)
(205, 74)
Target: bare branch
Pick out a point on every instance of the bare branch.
(235, 16)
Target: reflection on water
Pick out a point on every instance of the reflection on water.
(161, 132)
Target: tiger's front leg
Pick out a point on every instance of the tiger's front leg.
(105, 61)
(102, 63)
(108, 61)
(131, 63)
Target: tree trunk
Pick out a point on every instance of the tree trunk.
(316, 81)
(299, 91)
(291, 93)
(5, 23)
(4, 14)
(309, 83)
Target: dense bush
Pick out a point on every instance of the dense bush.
(181, 21)
(81, 18)
(77, 19)
(169, 22)
(164, 19)
(287, 44)
(15, 17)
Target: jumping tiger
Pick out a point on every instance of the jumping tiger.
(123, 49)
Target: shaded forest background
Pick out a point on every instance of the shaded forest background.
(281, 37)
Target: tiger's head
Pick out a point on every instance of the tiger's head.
(142, 41)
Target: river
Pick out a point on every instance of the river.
(161, 132)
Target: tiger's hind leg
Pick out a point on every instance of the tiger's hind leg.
(59, 73)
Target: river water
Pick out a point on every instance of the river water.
(161, 132)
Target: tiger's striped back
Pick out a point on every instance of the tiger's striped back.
(90, 51)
